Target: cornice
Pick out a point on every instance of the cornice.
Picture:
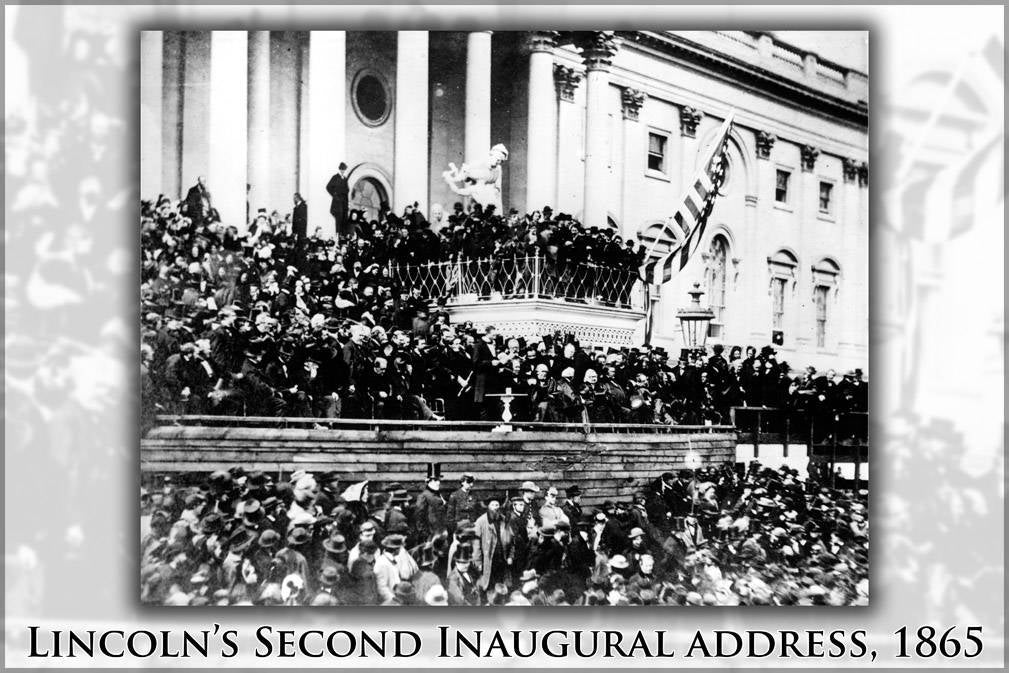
(729, 68)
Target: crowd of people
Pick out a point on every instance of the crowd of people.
(274, 323)
(716, 536)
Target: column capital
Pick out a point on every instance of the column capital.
(598, 48)
(850, 168)
(631, 101)
(863, 174)
(566, 79)
(765, 143)
(809, 156)
(542, 41)
(689, 119)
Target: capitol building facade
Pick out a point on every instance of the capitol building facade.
(608, 127)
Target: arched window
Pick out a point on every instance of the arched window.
(718, 253)
(781, 267)
(825, 283)
(659, 238)
(369, 196)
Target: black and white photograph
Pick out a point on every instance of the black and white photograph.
(503, 318)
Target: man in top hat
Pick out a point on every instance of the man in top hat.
(386, 570)
(462, 504)
(339, 192)
(518, 525)
(461, 583)
(430, 512)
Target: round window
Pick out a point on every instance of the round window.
(372, 98)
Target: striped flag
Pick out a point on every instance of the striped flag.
(691, 216)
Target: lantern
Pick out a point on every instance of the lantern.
(694, 320)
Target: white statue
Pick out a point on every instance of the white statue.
(481, 180)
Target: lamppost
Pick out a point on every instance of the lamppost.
(694, 320)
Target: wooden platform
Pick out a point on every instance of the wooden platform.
(606, 465)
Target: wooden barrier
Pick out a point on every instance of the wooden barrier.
(606, 466)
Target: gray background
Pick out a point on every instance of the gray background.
(71, 479)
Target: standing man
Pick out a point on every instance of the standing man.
(198, 202)
(299, 219)
(430, 510)
(340, 206)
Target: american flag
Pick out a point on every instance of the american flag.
(691, 217)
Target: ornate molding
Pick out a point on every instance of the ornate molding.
(631, 101)
(598, 48)
(542, 40)
(809, 156)
(566, 79)
(863, 174)
(850, 169)
(689, 119)
(765, 143)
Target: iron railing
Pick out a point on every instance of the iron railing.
(526, 277)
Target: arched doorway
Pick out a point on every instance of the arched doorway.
(369, 196)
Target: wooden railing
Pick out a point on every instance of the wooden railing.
(830, 439)
(378, 425)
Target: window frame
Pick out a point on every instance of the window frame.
(666, 136)
(831, 213)
(783, 268)
(788, 203)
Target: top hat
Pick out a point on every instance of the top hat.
(433, 471)
(464, 554)
(573, 491)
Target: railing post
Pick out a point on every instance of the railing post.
(536, 275)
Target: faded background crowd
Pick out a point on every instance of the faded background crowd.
(275, 322)
(717, 536)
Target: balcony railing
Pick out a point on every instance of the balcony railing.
(528, 277)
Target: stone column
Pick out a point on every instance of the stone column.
(259, 122)
(631, 101)
(756, 249)
(566, 81)
(226, 172)
(151, 102)
(541, 153)
(477, 140)
(689, 120)
(598, 50)
(806, 208)
(327, 130)
(848, 216)
(172, 77)
(410, 123)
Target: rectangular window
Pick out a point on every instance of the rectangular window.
(826, 194)
(820, 295)
(778, 304)
(781, 186)
(656, 152)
